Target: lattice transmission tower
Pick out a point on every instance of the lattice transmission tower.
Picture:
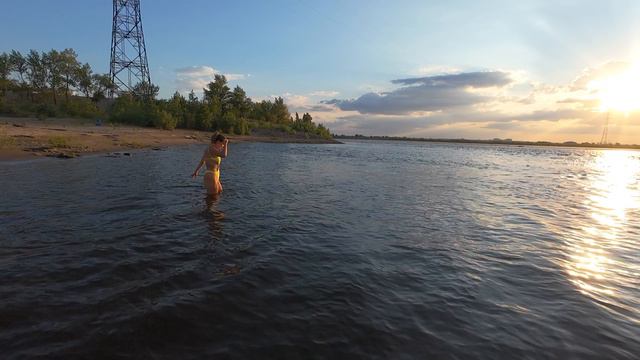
(129, 65)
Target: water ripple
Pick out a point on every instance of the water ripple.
(361, 250)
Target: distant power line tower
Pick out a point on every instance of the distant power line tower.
(129, 65)
(605, 132)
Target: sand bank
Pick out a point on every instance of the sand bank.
(26, 138)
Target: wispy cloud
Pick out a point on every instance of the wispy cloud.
(437, 70)
(324, 93)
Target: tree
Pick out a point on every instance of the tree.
(69, 65)
(177, 107)
(5, 69)
(189, 119)
(164, 120)
(36, 72)
(241, 127)
(220, 108)
(192, 97)
(240, 104)
(101, 84)
(264, 111)
(203, 118)
(323, 132)
(145, 91)
(18, 64)
(280, 111)
(217, 89)
(83, 80)
(53, 63)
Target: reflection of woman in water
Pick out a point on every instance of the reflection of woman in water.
(212, 157)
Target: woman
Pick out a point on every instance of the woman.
(212, 157)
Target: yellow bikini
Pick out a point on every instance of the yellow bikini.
(216, 171)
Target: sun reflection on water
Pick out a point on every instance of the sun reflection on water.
(598, 263)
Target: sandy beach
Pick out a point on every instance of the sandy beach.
(26, 138)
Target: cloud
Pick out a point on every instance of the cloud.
(483, 105)
(197, 77)
(379, 125)
(610, 68)
(479, 79)
(437, 69)
(586, 103)
(324, 93)
(303, 103)
(552, 115)
(426, 94)
(295, 101)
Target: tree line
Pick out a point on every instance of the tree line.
(45, 84)
(57, 84)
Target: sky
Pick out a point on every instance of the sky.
(526, 70)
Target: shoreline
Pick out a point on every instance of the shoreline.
(30, 138)
(570, 144)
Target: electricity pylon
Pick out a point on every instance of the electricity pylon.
(129, 65)
(605, 132)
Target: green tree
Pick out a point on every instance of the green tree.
(280, 111)
(130, 110)
(244, 127)
(220, 108)
(164, 120)
(84, 80)
(53, 63)
(192, 97)
(69, 67)
(217, 90)
(36, 72)
(193, 104)
(203, 118)
(177, 107)
(102, 85)
(229, 123)
(145, 91)
(240, 104)
(5, 70)
(18, 64)
(323, 132)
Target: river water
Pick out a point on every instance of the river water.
(373, 249)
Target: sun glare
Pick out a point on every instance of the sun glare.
(598, 263)
(620, 92)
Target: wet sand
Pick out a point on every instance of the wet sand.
(26, 138)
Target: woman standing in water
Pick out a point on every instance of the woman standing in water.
(212, 157)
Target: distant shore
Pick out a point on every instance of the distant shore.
(27, 138)
(495, 142)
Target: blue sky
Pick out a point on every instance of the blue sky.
(320, 55)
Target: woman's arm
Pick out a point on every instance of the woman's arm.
(195, 172)
(224, 148)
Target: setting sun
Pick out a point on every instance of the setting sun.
(619, 92)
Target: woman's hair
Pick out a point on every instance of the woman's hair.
(217, 137)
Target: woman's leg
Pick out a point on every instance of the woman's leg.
(210, 183)
(217, 182)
